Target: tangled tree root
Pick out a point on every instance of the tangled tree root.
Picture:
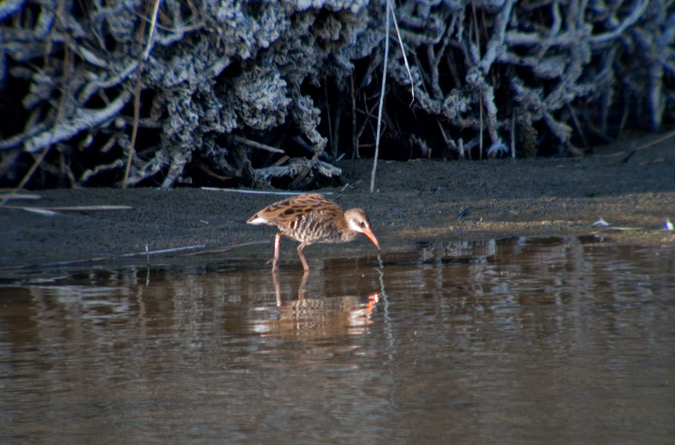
(259, 93)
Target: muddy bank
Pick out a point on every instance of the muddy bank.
(415, 201)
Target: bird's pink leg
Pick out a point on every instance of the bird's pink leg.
(277, 252)
(302, 257)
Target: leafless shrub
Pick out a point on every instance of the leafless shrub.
(88, 86)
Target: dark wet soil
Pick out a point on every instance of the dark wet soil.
(631, 186)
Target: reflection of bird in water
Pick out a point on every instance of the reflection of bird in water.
(309, 219)
(313, 318)
(316, 317)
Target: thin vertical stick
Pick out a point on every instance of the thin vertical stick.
(355, 137)
(153, 24)
(480, 97)
(134, 131)
(513, 135)
(379, 110)
(333, 145)
(137, 93)
(405, 59)
(480, 130)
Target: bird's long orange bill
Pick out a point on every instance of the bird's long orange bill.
(369, 233)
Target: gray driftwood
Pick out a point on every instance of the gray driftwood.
(240, 85)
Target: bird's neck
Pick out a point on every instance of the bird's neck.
(348, 235)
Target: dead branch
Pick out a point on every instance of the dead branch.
(258, 145)
(82, 119)
(296, 167)
(208, 79)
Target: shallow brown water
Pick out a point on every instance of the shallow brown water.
(518, 340)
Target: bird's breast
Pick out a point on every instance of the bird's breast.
(312, 228)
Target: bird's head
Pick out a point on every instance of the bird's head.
(357, 221)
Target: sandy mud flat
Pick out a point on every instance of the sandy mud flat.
(629, 186)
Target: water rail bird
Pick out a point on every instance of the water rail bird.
(311, 218)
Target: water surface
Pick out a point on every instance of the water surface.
(518, 340)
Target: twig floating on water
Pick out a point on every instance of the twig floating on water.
(37, 210)
(228, 248)
(76, 208)
(157, 252)
(9, 196)
(258, 192)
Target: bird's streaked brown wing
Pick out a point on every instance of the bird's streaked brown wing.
(284, 213)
